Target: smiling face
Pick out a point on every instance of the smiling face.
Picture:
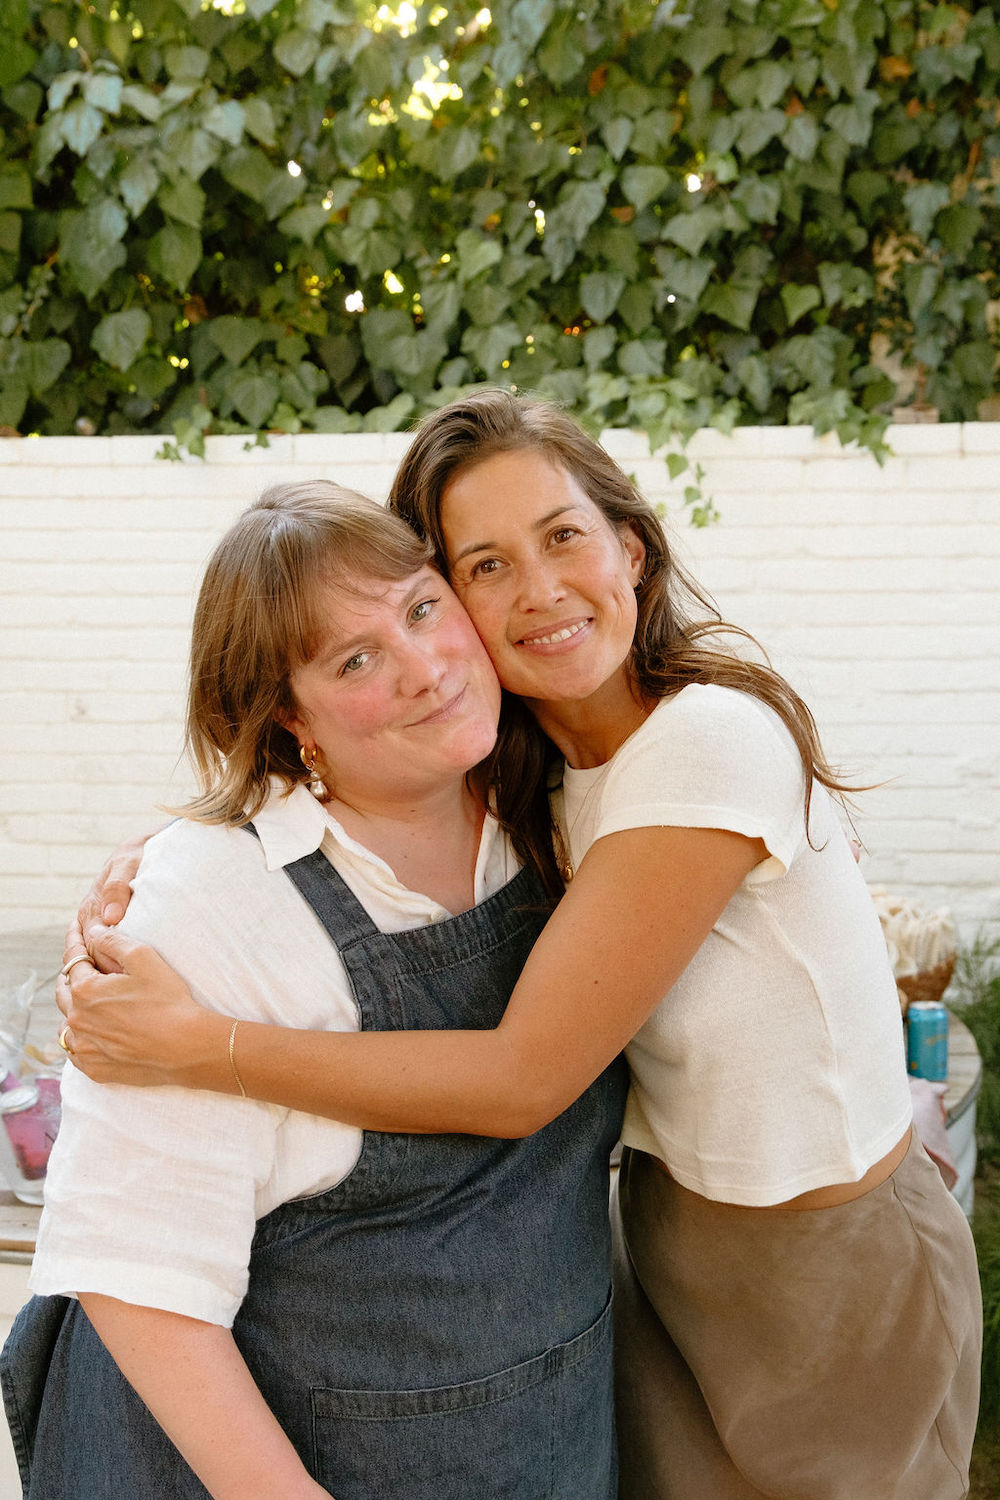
(548, 582)
(400, 698)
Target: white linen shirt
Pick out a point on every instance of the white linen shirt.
(152, 1194)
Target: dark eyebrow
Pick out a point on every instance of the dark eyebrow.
(538, 525)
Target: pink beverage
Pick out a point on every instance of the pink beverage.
(31, 1113)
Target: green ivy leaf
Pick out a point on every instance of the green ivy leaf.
(138, 183)
(682, 275)
(186, 62)
(46, 361)
(143, 101)
(248, 170)
(636, 305)
(754, 374)
(258, 118)
(236, 337)
(91, 243)
(474, 254)
(15, 186)
(17, 59)
(119, 337)
(732, 303)
(923, 201)
(579, 204)
(691, 230)
(598, 346)
(975, 362)
(183, 200)
(80, 126)
(640, 357)
(193, 151)
(797, 300)
(391, 418)
(254, 396)
(441, 301)
(700, 44)
(103, 91)
(959, 226)
(845, 285)
(305, 223)
(13, 400)
(643, 185)
(226, 121)
(10, 233)
(801, 136)
(616, 135)
(560, 57)
(868, 188)
(62, 88)
(296, 51)
(756, 128)
(175, 254)
(454, 150)
(772, 80)
(489, 347)
(759, 197)
(854, 121)
(599, 293)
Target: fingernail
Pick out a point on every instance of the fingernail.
(112, 913)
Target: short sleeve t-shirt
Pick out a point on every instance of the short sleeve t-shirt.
(774, 1065)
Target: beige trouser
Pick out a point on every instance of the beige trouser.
(825, 1354)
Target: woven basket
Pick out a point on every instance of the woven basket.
(930, 985)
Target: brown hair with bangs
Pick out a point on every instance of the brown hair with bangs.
(259, 616)
(678, 627)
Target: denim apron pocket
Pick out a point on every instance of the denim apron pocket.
(563, 1439)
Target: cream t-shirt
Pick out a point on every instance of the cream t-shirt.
(152, 1194)
(775, 1063)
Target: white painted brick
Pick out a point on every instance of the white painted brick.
(905, 438)
(70, 452)
(981, 437)
(978, 472)
(30, 858)
(68, 578)
(736, 475)
(874, 589)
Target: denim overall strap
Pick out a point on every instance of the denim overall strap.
(456, 1286)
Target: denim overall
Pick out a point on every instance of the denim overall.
(436, 1326)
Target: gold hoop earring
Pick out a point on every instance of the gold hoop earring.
(317, 785)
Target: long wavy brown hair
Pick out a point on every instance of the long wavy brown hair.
(678, 631)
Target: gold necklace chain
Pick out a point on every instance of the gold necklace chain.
(561, 846)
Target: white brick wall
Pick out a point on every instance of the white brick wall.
(877, 592)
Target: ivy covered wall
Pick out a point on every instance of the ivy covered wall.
(323, 214)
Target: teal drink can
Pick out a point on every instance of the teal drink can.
(927, 1040)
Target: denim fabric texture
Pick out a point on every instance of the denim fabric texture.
(436, 1326)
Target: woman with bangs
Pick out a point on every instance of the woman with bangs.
(246, 1301)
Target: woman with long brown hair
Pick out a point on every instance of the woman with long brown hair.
(798, 1298)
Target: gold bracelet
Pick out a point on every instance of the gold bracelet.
(232, 1060)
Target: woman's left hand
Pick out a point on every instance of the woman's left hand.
(138, 1023)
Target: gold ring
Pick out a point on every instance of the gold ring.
(64, 1044)
(81, 958)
